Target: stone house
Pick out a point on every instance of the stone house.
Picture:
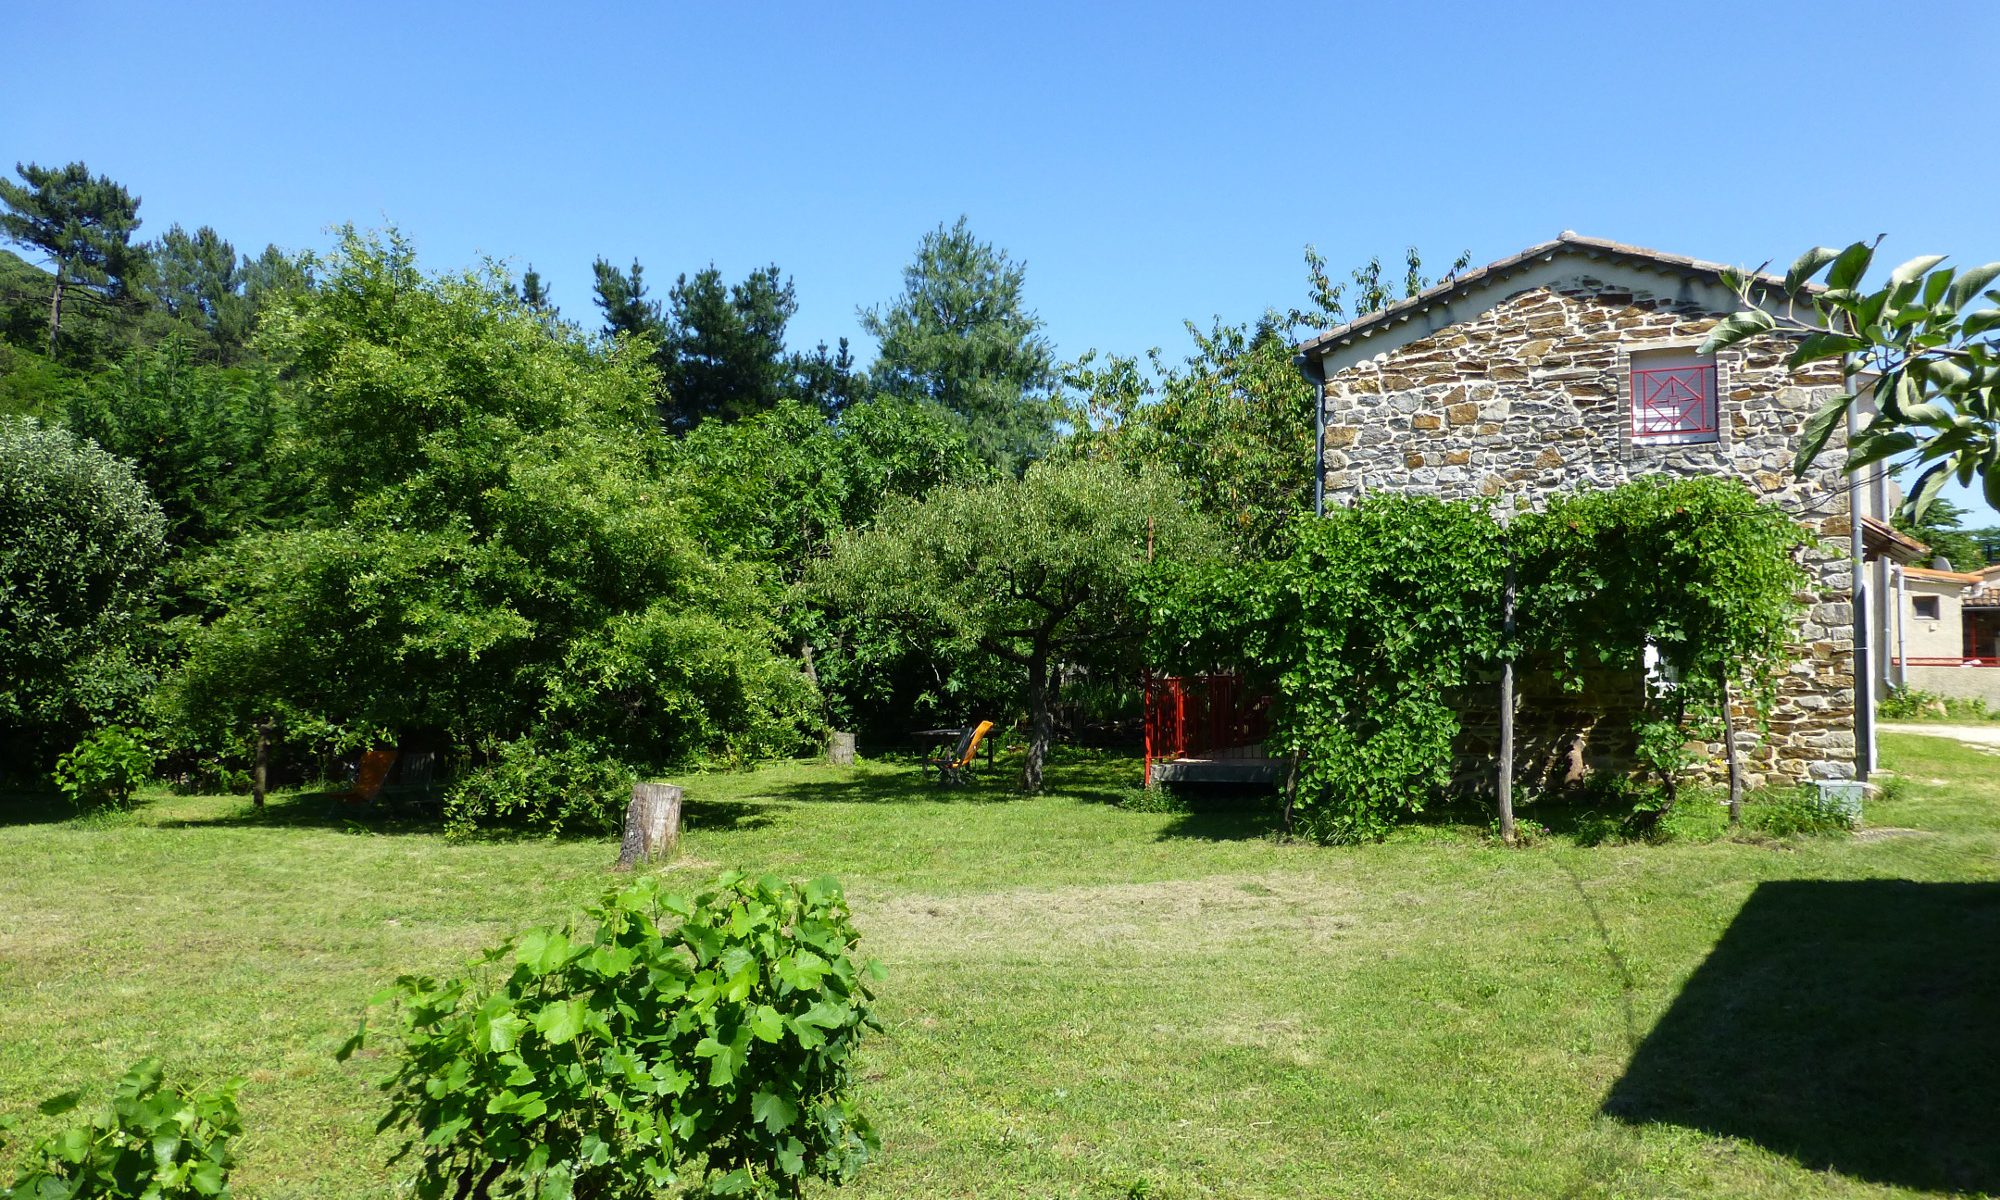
(1574, 365)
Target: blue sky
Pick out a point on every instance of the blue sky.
(1151, 163)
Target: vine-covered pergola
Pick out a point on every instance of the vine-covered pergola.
(1378, 619)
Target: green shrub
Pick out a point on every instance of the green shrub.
(704, 1044)
(1903, 703)
(553, 788)
(80, 545)
(1907, 703)
(105, 769)
(154, 1140)
(1796, 811)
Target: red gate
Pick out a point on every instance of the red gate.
(1191, 716)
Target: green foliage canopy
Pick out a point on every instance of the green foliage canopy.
(80, 546)
(1365, 630)
(84, 223)
(499, 554)
(1379, 616)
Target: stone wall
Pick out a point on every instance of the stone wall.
(1529, 398)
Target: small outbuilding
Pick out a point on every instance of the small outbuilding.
(1575, 364)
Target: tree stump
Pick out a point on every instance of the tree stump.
(652, 824)
(840, 749)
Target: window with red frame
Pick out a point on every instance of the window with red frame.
(1673, 397)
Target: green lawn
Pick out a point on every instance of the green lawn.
(1088, 1001)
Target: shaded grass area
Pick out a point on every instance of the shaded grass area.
(1089, 1001)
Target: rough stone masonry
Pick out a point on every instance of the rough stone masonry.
(1532, 396)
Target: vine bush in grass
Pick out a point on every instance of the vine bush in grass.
(105, 769)
(152, 1141)
(704, 1045)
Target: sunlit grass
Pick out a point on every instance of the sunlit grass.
(1082, 1000)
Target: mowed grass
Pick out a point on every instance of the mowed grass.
(1088, 1001)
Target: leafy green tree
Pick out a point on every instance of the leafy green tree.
(273, 276)
(1033, 572)
(827, 379)
(80, 543)
(1234, 420)
(961, 336)
(83, 223)
(498, 556)
(1929, 360)
(723, 356)
(776, 489)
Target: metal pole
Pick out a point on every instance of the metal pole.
(1315, 374)
(1506, 780)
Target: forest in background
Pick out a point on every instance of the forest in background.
(336, 498)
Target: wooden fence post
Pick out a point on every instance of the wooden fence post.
(652, 824)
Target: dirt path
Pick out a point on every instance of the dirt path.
(1986, 737)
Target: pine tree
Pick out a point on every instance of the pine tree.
(961, 337)
(826, 379)
(622, 299)
(534, 294)
(82, 222)
(725, 346)
(197, 281)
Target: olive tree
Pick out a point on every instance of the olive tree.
(1033, 572)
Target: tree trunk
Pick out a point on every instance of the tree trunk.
(1041, 723)
(652, 824)
(1505, 781)
(260, 765)
(840, 749)
(55, 309)
(1730, 756)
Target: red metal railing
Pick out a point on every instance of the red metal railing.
(1188, 715)
(1671, 400)
(1969, 660)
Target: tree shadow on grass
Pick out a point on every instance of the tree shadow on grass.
(1852, 1026)
(34, 808)
(1079, 776)
(727, 816)
(319, 810)
(1219, 812)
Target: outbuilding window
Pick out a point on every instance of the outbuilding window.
(1925, 607)
(1673, 397)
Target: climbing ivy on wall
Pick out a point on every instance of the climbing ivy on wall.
(1371, 625)
(1697, 569)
